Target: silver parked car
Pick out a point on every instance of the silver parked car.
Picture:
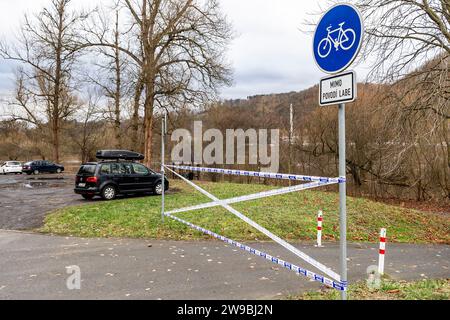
(11, 167)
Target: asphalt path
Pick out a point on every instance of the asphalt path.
(33, 266)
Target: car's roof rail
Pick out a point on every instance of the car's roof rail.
(117, 160)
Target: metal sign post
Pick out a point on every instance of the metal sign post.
(337, 41)
(342, 200)
(291, 136)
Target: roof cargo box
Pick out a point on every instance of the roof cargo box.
(118, 154)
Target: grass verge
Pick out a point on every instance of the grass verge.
(389, 290)
(291, 216)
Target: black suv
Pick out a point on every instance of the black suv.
(37, 167)
(110, 178)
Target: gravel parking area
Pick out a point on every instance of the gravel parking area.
(25, 200)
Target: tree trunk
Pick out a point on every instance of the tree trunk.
(355, 174)
(148, 140)
(117, 128)
(55, 138)
(84, 155)
(148, 126)
(135, 118)
(446, 124)
(57, 89)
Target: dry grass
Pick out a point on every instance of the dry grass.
(389, 290)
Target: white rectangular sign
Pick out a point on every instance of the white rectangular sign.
(340, 88)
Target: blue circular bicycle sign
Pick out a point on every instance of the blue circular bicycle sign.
(338, 38)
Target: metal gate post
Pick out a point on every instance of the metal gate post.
(163, 133)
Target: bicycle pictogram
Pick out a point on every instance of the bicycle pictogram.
(345, 40)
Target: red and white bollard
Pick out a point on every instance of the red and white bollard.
(319, 228)
(382, 251)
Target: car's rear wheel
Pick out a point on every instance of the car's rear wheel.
(88, 196)
(109, 193)
(36, 172)
(158, 189)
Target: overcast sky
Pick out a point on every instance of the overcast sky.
(269, 54)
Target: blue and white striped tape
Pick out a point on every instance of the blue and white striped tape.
(263, 230)
(311, 275)
(255, 196)
(267, 175)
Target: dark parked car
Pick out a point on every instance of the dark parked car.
(109, 178)
(43, 166)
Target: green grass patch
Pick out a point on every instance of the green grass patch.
(291, 216)
(389, 290)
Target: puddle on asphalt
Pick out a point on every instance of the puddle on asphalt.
(46, 178)
(41, 184)
(33, 183)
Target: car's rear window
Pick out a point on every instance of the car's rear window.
(14, 163)
(87, 169)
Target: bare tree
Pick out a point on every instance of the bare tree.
(109, 77)
(410, 40)
(84, 132)
(404, 34)
(47, 53)
(178, 47)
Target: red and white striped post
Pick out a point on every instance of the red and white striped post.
(382, 251)
(319, 228)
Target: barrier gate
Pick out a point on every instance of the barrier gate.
(332, 279)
